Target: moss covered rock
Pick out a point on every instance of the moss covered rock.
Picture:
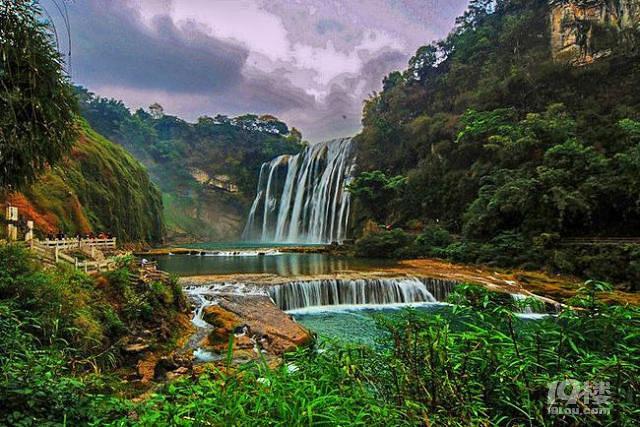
(98, 187)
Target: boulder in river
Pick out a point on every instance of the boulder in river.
(272, 331)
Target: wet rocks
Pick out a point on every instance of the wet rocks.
(168, 367)
(256, 324)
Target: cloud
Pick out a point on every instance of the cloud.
(339, 113)
(111, 44)
(311, 62)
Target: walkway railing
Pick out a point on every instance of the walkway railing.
(77, 243)
(53, 255)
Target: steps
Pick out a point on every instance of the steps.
(51, 255)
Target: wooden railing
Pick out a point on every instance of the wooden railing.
(77, 243)
(52, 255)
(46, 255)
(150, 272)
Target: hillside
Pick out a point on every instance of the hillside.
(207, 171)
(518, 131)
(97, 187)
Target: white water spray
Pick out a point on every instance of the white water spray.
(303, 198)
(342, 292)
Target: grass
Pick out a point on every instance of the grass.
(61, 334)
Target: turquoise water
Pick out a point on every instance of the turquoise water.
(282, 264)
(357, 325)
(354, 324)
(351, 324)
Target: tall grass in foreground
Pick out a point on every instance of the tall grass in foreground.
(480, 365)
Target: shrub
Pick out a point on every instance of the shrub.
(36, 385)
(309, 389)
(434, 237)
(58, 324)
(484, 366)
(162, 293)
(383, 244)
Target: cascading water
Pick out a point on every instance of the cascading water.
(205, 295)
(528, 310)
(302, 198)
(332, 292)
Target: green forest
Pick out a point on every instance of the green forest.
(99, 187)
(487, 138)
(57, 170)
(172, 148)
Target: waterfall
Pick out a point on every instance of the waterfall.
(302, 294)
(439, 288)
(302, 198)
(518, 299)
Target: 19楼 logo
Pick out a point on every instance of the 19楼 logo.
(572, 397)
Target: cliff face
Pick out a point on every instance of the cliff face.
(97, 187)
(204, 215)
(584, 30)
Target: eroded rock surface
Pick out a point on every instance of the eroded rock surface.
(258, 323)
(583, 31)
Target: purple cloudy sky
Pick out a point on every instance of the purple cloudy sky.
(309, 62)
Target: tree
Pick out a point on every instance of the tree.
(37, 105)
(394, 79)
(375, 190)
(423, 62)
(156, 110)
(105, 115)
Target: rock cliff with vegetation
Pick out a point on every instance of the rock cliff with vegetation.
(207, 171)
(584, 30)
(97, 186)
(508, 155)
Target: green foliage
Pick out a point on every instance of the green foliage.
(631, 127)
(310, 389)
(37, 107)
(376, 190)
(476, 364)
(485, 366)
(172, 148)
(103, 187)
(434, 237)
(477, 125)
(423, 63)
(495, 138)
(35, 383)
(57, 326)
(383, 244)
